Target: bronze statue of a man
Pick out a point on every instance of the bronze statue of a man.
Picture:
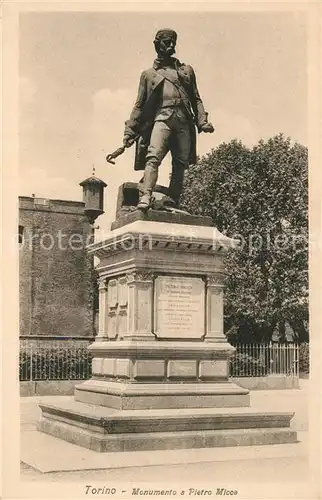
(166, 113)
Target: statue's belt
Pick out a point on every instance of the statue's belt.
(175, 102)
(175, 83)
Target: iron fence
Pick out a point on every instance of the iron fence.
(69, 359)
(54, 359)
(260, 360)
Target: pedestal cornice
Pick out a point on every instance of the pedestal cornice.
(151, 235)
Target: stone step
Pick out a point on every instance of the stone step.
(110, 421)
(107, 430)
(166, 440)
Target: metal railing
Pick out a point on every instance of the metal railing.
(260, 360)
(49, 358)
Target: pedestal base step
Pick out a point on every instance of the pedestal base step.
(108, 430)
(143, 396)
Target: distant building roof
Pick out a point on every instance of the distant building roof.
(93, 180)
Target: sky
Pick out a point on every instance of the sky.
(79, 74)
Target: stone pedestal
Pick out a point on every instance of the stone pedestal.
(160, 371)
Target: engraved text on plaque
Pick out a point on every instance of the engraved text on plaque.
(179, 307)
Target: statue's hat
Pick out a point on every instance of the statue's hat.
(166, 32)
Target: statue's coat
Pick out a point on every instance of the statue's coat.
(148, 98)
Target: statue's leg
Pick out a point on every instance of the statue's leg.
(158, 148)
(180, 151)
(140, 187)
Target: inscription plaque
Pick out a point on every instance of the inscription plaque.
(179, 307)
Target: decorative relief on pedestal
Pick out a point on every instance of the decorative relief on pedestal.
(102, 289)
(140, 286)
(179, 307)
(122, 295)
(123, 300)
(140, 276)
(130, 277)
(215, 307)
(183, 307)
(112, 301)
(112, 294)
(102, 286)
(216, 280)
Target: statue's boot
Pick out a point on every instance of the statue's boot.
(145, 201)
(149, 182)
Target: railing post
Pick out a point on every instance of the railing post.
(292, 359)
(288, 358)
(31, 361)
(297, 355)
(252, 357)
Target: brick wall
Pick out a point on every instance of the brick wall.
(56, 291)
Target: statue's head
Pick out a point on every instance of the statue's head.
(165, 42)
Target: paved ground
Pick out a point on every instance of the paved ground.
(241, 471)
(280, 463)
